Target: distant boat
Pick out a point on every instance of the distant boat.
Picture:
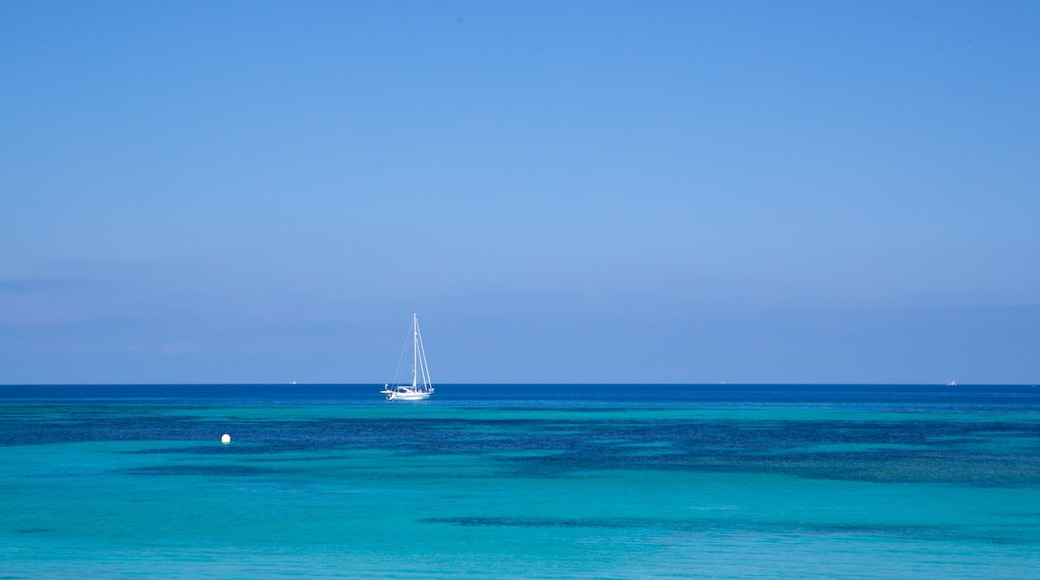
(421, 387)
(951, 384)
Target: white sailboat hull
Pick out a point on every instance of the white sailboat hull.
(406, 394)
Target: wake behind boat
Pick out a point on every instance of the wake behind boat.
(421, 387)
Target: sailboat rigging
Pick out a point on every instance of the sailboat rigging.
(421, 387)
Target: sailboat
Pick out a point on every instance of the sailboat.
(421, 387)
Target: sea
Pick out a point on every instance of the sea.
(520, 481)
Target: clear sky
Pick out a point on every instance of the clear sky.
(564, 191)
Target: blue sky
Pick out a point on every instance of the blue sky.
(564, 191)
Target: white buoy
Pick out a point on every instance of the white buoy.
(225, 438)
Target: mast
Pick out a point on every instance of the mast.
(423, 366)
(415, 350)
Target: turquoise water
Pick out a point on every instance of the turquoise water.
(520, 481)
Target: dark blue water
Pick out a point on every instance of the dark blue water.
(639, 394)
